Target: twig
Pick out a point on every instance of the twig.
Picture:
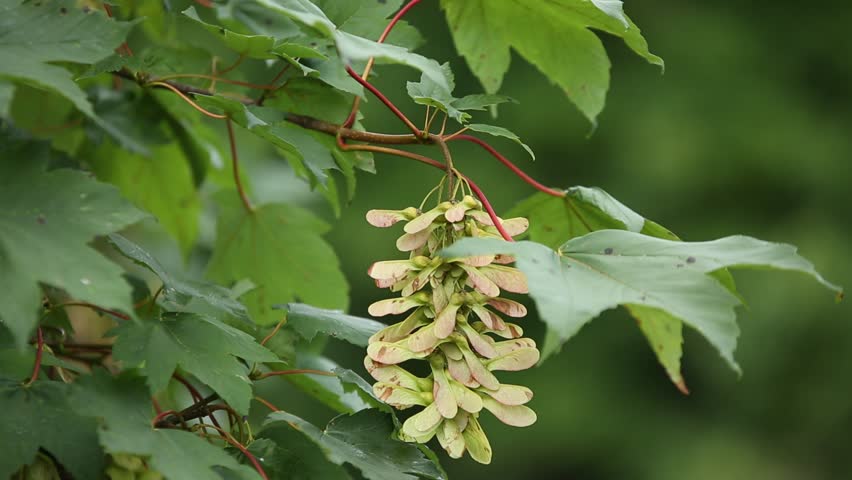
(186, 99)
(218, 79)
(375, 91)
(434, 163)
(350, 120)
(267, 403)
(236, 165)
(39, 352)
(274, 331)
(451, 176)
(196, 395)
(96, 308)
(505, 161)
(239, 446)
(263, 96)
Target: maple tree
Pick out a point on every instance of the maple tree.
(114, 114)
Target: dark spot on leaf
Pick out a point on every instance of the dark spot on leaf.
(679, 265)
(40, 219)
(608, 251)
(222, 31)
(690, 260)
(267, 21)
(660, 347)
(644, 297)
(63, 10)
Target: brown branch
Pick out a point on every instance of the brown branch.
(303, 121)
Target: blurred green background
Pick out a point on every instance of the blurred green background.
(748, 131)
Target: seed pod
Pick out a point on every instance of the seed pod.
(451, 327)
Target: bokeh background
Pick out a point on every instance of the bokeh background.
(748, 131)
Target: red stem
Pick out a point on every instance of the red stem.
(39, 352)
(488, 208)
(160, 416)
(267, 404)
(96, 308)
(195, 394)
(375, 91)
(505, 161)
(350, 120)
(239, 446)
(236, 165)
(434, 163)
(402, 11)
(156, 404)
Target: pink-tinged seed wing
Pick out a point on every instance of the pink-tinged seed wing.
(451, 439)
(514, 415)
(389, 353)
(445, 401)
(510, 394)
(517, 360)
(446, 321)
(509, 307)
(423, 340)
(516, 226)
(480, 282)
(461, 372)
(426, 219)
(412, 241)
(390, 269)
(467, 400)
(478, 342)
(477, 261)
(508, 278)
(476, 442)
(386, 218)
(480, 373)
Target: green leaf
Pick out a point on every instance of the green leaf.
(664, 332)
(429, 92)
(46, 222)
(161, 184)
(123, 406)
(608, 268)
(288, 454)
(500, 132)
(368, 18)
(308, 321)
(206, 348)
(351, 47)
(553, 220)
(330, 391)
(554, 36)
(178, 292)
(481, 101)
(251, 46)
(279, 248)
(36, 34)
(364, 441)
(613, 8)
(269, 125)
(39, 416)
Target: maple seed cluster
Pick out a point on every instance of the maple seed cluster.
(455, 303)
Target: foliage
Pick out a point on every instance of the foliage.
(134, 117)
